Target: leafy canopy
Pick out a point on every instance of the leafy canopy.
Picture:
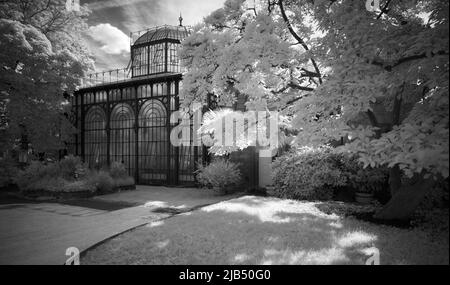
(41, 57)
(378, 80)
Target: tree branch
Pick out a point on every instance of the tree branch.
(297, 37)
(384, 10)
(406, 59)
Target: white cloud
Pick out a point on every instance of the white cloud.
(111, 4)
(112, 39)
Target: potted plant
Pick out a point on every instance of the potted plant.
(366, 182)
(364, 195)
(220, 175)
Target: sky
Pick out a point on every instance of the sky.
(112, 21)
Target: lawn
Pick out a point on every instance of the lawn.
(258, 230)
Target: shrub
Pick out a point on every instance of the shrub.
(49, 184)
(60, 184)
(118, 170)
(8, 168)
(71, 175)
(69, 167)
(30, 175)
(220, 173)
(79, 186)
(360, 179)
(308, 174)
(124, 182)
(317, 174)
(102, 181)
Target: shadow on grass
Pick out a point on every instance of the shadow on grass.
(257, 230)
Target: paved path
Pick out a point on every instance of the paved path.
(40, 233)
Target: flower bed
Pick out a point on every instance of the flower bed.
(70, 178)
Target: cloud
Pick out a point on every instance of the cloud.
(99, 5)
(112, 20)
(112, 39)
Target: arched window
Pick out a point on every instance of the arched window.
(122, 147)
(95, 137)
(153, 141)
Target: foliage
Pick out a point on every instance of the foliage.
(378, 81)
(363, 179)
(69, 166)
(30, 175)
(8, 168)
(70, 175)
(124, 181)
(41, 57)
(220, 173)
(317, 173)
(386, 88)
(60, 185)
(66, 169)
(78, 186)
(308, 174)
(50, 184)
(102, 181)
(118, 170)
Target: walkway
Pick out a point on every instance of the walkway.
(40, 233)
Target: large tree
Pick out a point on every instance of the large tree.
(378, 79)
(42, 57)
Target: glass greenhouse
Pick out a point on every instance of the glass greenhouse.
(124, 115)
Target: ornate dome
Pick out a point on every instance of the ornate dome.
(162, 33)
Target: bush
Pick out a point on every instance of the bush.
(48, 184)
(33, 173)
(124, 182)
(8, 168)
(317, 174)
(69, 167)
(220, 173)
(71, 175)
(360, 179)
(308, 174)
(118, 170)
(102, 181)
(79, 186)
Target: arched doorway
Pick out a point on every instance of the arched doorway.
(95, 141)
(153, 142)
(123, 138)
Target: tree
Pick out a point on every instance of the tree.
(387, 91)
(246, 49)
(376, 79)
(243, 49)
(42, 58)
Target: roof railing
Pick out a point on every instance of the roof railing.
(122, 74)
(106, 77)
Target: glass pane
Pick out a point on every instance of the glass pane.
(95, 137)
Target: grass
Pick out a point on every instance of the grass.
(257, 230)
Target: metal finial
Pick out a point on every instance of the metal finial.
(181, 20)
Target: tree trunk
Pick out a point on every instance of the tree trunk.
(395, 180)
(405, 200)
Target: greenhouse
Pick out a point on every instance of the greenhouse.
(124, 115)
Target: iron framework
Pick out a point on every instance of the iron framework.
(129, 122)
